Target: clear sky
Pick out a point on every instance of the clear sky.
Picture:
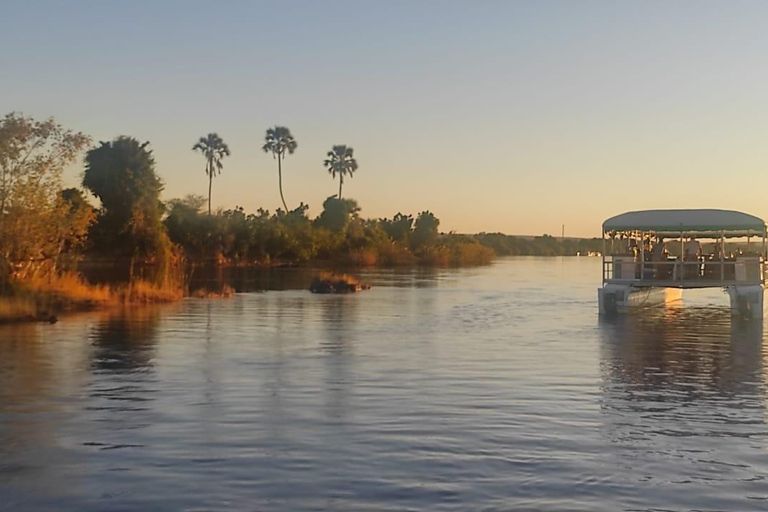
(497, 116)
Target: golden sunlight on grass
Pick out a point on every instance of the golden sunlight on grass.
(42, 299)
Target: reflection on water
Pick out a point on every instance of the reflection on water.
(125, 340)
(281, 279)
(683, 402)
(679, 347)
(480, 389)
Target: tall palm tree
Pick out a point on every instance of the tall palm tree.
(341, 161)
(214, 149)
(279, 141)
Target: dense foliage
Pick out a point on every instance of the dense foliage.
(338, 235)
(41, 228)
(121, 174)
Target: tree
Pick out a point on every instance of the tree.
(214, 149)
(425, 230)
(399, 228)
(336, 213)
(122, 175)
(278, 141)
(35, 222)
(78, 215)
(188, 226)
(342, 162)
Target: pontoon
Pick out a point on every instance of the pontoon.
(651, 256)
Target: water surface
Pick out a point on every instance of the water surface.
(496, 388)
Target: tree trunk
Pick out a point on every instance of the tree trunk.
(280, 179)
(210, 184)
(341, 182)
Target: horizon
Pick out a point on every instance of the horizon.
(512, 118)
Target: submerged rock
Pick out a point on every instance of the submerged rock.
(336, 284)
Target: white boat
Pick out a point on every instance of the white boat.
(651, 256)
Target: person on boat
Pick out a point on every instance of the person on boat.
(659, 252)
(647, 249)
(719, 253)
(692, 252)
(632, 248)
(692, 249)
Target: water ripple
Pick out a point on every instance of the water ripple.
(484, 389)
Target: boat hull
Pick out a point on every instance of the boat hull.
(620, 298)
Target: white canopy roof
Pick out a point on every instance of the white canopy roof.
(685, 221)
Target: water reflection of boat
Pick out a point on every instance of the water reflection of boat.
(682, 404)
(673, 344)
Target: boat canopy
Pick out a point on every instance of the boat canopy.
(686, 221)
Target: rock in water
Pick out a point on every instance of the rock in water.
(336, 284)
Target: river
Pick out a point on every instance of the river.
(493, 388)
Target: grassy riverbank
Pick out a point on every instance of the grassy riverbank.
(44, 299)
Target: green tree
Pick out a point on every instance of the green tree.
(399, 228)
(214, 149)
(122, 175)
(337, 213)
(188, 226)
(342, 162)
(78, 215)
(35, 225)
(279, 141)
(425, 230)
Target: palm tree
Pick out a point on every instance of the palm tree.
(214, 149)
(340, 161)
(279, 140)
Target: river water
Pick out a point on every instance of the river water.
(494, 388)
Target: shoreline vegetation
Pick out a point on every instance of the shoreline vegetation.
(42, 300)
(49, 233)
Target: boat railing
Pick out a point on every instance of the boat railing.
(694, 273)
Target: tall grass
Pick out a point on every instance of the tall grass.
(14, 309)
(145, 292)
(37, 299)
(68, 287)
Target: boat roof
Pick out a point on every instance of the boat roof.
(686, 221)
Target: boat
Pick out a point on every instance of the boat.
(651, 256)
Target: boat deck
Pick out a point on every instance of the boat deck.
(685, 285)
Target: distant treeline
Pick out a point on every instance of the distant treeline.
(546, 245)
(340, 236)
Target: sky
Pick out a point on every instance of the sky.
(511, 116)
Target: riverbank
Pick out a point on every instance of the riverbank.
(44, 299)
(384, 255)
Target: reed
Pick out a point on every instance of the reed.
(16, 309)
(145, 292)
(43, 298)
